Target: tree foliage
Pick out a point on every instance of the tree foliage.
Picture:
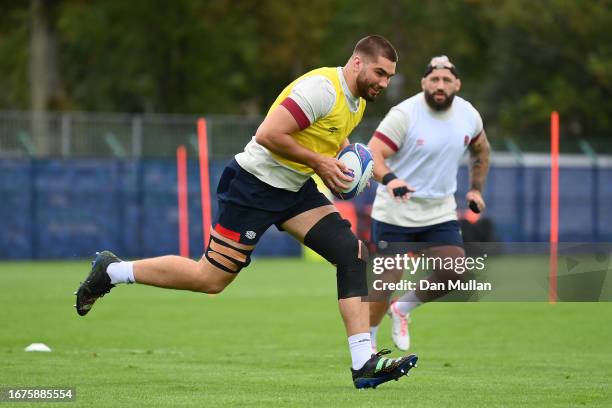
(519, 59)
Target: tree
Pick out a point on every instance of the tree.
(518, 59)
(46, 88)
(550, 55)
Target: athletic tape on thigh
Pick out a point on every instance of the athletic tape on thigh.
(225, 256)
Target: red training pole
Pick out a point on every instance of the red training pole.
(181, 170)
(554, 205)
(204, 179)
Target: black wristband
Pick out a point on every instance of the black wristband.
(388, 177)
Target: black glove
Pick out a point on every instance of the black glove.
(400, 191)
(473, 206)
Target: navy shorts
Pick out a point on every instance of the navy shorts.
(248, 206)
(445, 233)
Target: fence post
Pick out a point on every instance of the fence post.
(136, 136)
(66, 134)
(588, 150)
(35, 230)
(520, 200)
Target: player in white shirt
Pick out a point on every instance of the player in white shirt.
(417, 150)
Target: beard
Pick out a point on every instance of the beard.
(439, 106)
(365, 88)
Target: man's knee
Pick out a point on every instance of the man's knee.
(211, 279)
(453, 268)
(333, 239)
(213, 288)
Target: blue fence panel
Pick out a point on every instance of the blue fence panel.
(16, 213)
(575, 209)
(77, 208)
(71, 208)
(604, 205)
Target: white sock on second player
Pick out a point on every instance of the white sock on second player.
(361, 349)
(121, 272)
(407, 302)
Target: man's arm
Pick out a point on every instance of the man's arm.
(479, 169)
(380, 151)
(275, 134)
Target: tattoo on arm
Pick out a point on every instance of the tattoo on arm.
(479, 163)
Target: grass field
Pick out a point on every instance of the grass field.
(275, 337)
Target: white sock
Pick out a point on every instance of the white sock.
(373, 332)
(121, 272)
(361, 349)
(407, 302)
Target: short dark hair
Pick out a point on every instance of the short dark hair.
(374, 46)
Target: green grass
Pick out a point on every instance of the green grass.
(274, 337)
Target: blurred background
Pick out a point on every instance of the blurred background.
(96, 96)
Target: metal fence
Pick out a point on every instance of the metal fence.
(122, 135)
(78, 134)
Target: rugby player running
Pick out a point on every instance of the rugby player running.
(270, 183)
(417, 150)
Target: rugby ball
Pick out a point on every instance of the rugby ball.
(358, 160)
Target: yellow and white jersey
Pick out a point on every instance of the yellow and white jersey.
(326, 112)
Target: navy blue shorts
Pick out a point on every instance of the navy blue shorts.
(446, 233)
(248, 206)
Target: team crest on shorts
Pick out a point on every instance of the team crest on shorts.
(250, 234)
